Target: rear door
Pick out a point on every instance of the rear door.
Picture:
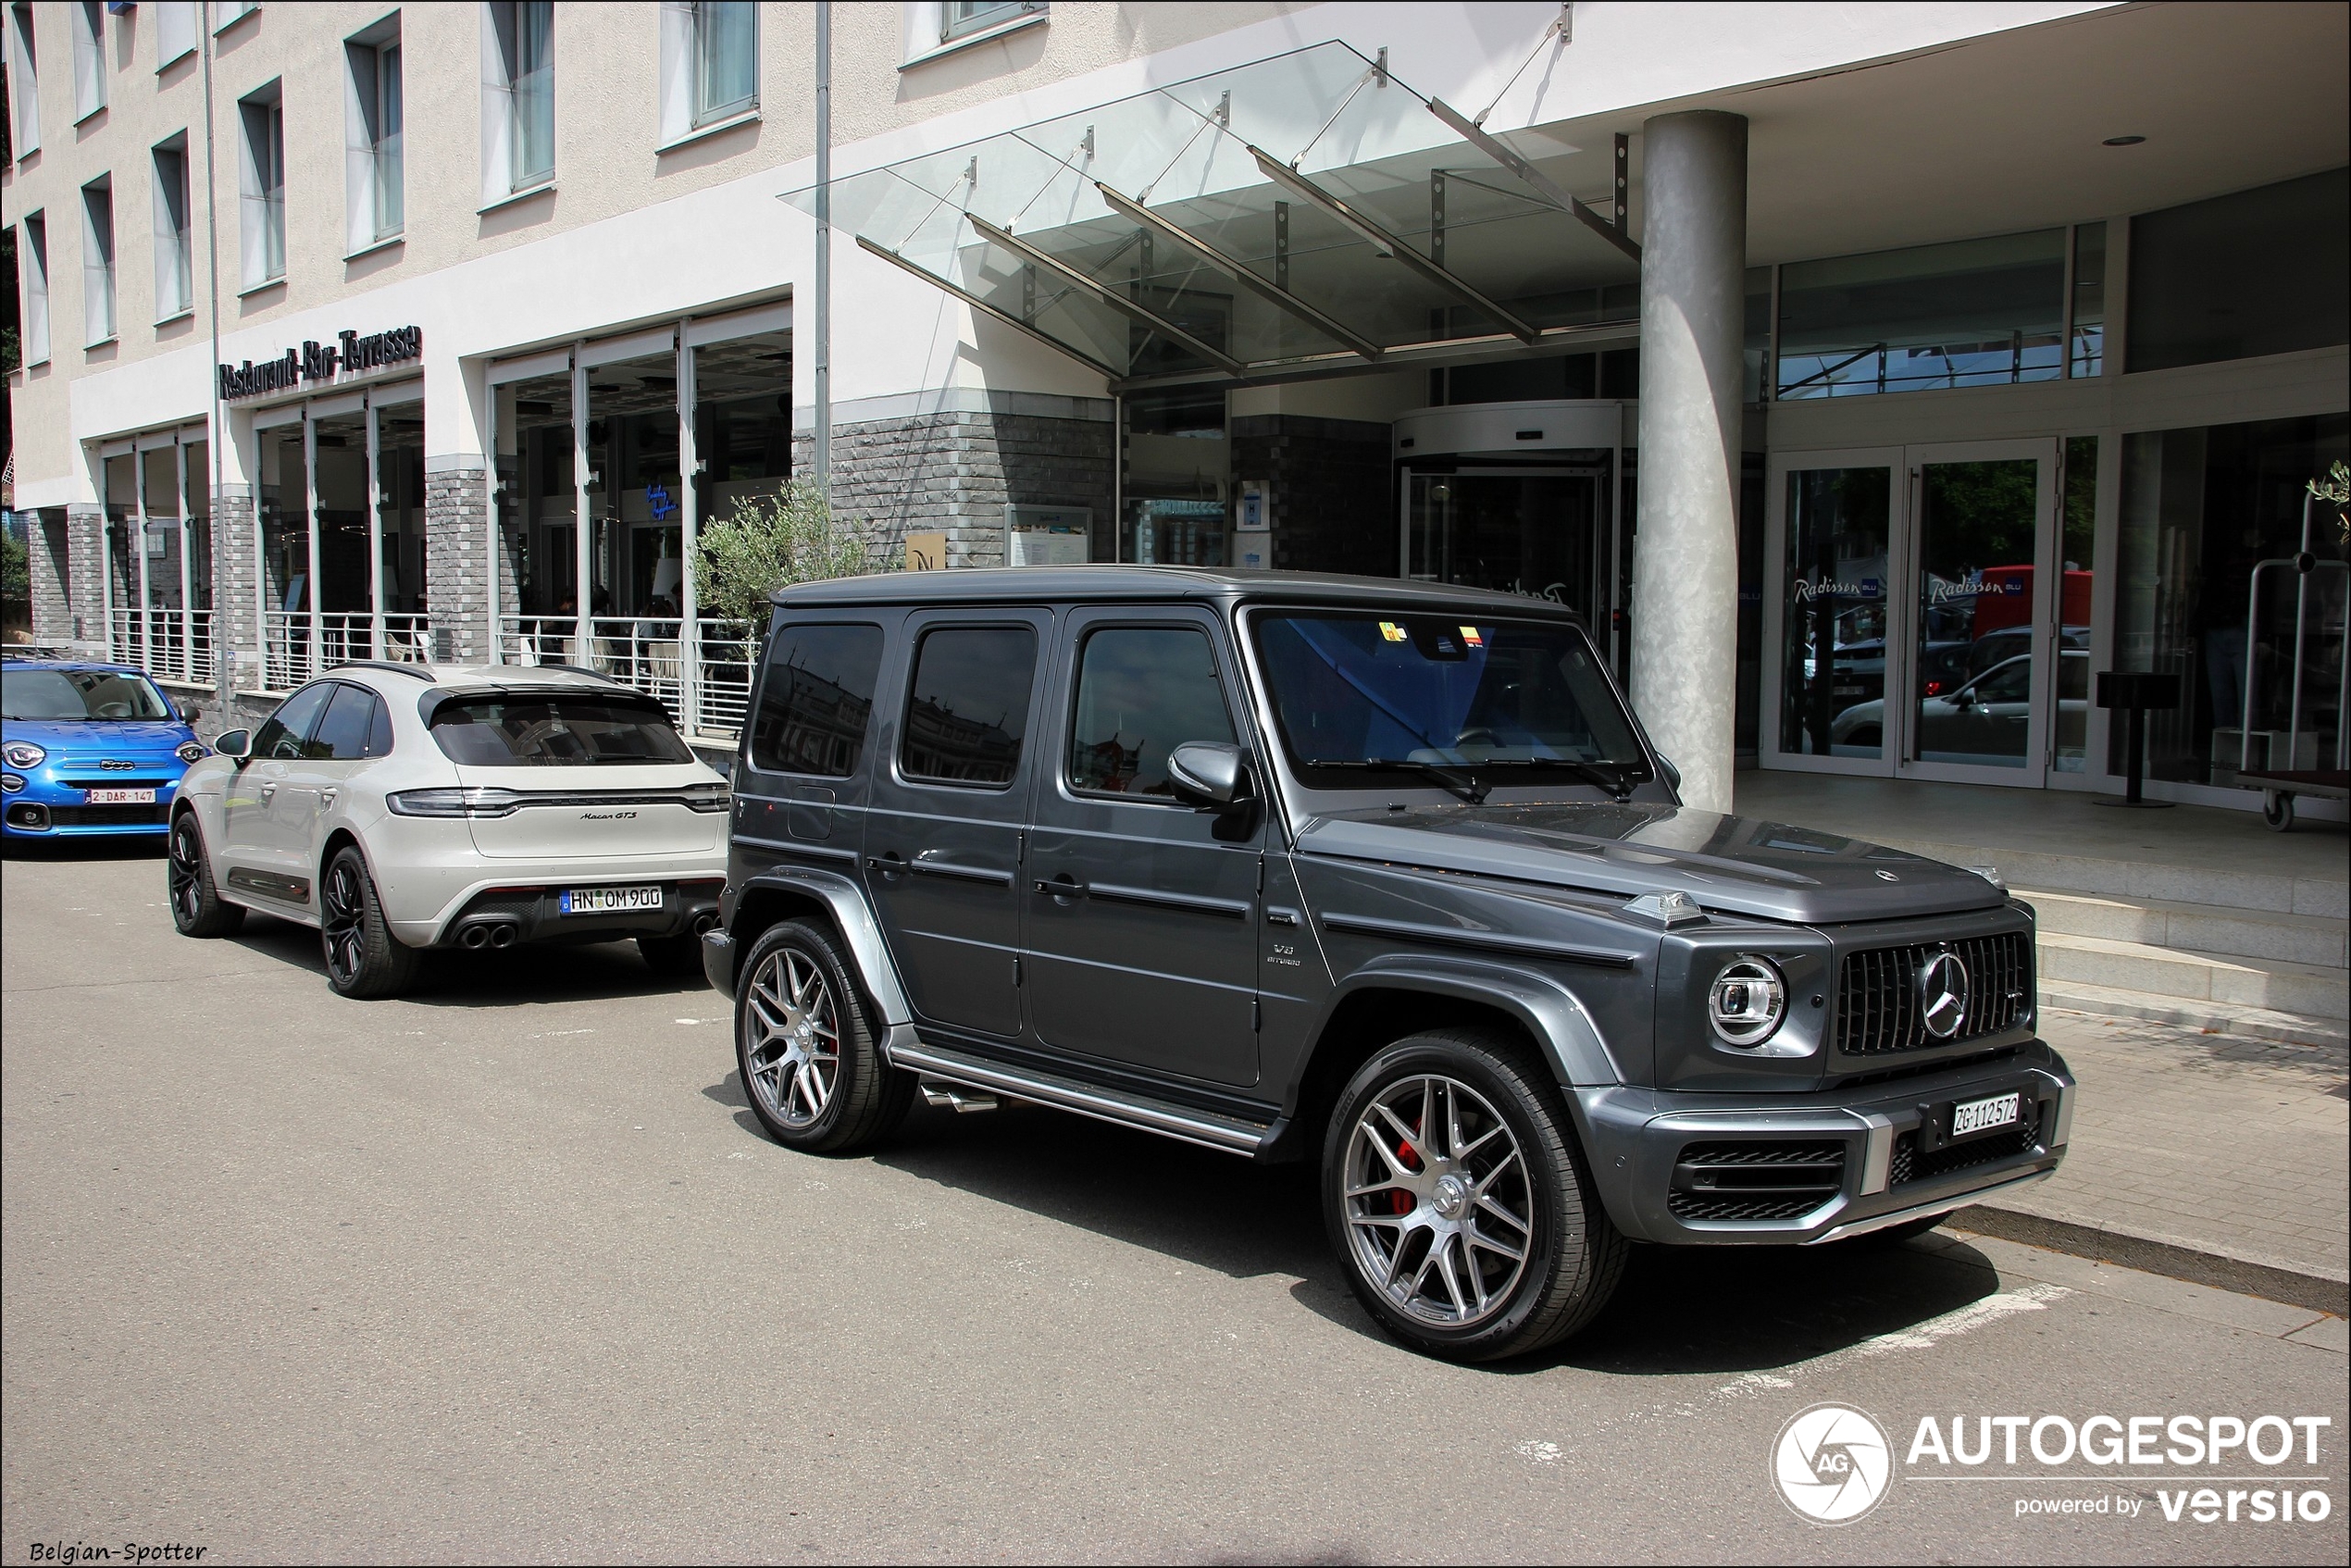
(801, 791)
(1142, 929)
(944, 835)
(340, 744)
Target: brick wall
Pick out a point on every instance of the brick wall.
(52, 586)
(955, 472)
(234, 615)
(456, 562)
(86, 563)
(1330, 491)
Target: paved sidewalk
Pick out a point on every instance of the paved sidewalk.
(2240, 1149)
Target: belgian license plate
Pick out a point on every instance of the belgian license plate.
(610, 901)
(1982, 1115)
(119, 797)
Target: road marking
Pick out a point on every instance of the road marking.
(1962, 1320)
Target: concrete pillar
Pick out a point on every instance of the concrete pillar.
(1686, 557)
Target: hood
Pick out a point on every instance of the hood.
(111, 738)
(1735, 864)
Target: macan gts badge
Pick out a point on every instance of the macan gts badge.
(1379, 876)
(401, 807)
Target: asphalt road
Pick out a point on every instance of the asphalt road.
(506, 1271)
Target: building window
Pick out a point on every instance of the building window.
(519, 96)
(24, 82)
(227, 14)
(1972, 313)
(710, 62)
(89, 58)
(261, 182)
(175, 268)
(34, 259)
(177, 22)
(97, 261)
(961, 19)
(2252, 273)
(2085, 356)
(373, 143)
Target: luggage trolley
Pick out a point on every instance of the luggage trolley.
(2319, 618)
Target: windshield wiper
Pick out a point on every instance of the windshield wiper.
(1457, 779)
(1607, 776)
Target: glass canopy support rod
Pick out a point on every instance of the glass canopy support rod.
(1111, 297)
(1299, 185)
(1208, 255)
(991, 312)
(1500, 151)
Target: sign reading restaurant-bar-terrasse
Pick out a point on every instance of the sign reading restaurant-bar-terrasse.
(320, 362)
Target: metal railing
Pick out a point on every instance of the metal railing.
(704, 694)
(297, 644)
(174, 645)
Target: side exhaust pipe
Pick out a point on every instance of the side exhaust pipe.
(503, 936)
(474, 936)
(705, 922)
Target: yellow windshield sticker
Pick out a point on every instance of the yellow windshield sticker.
(1390, 630)
(1469, 636)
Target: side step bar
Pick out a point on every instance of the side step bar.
(1208, 1129)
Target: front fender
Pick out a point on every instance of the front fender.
(1551, 1012)
(853, 916)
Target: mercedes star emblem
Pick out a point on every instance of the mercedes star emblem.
(1943, 995)
(1887, 877)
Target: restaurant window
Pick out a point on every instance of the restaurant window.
(1968, 313)
(636, 546)
(2254, 272)
(743, 423)
(2202, 510)
(537, 506)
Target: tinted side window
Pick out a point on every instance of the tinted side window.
(282, 734)
(341, 736)
(967, 706)
(379, 731)
(1142, 693)
(817, 700)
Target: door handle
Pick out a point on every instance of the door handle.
(1062, 887)
(327, 799)
(266, 791)
(887, 864)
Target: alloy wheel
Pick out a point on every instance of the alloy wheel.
(184, 872)
(1439, 1201)
(794, 1049)
(343, 929)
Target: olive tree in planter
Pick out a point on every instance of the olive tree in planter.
(771, 541)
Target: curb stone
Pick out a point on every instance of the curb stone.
(2316, 1292)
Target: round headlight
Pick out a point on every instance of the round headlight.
(1747, 1002)
(191, 751)
(23, 754)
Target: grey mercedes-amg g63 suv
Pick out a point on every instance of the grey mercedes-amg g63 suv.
(1377, 874)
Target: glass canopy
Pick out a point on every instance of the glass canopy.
(1300, 213)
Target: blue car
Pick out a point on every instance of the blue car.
(91, 750)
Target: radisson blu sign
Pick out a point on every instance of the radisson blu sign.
(321, 361)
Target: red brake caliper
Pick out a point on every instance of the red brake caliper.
(1400, 1199)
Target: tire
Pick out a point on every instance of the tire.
(1507, 1252)
(197, 908)
(811, 1065)
(2277, 810)
(365, 960)
(673, 958)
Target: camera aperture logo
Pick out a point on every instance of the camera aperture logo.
(1832, 1463)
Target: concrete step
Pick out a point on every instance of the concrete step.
(2324, 891)
(2275, 984)
(2195, 927)
(2212, 1017)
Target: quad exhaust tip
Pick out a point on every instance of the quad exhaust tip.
(956, 1097)
(489, 933)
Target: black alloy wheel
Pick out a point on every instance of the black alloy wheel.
(197, 908)
(1456, 1199)
(365, 960)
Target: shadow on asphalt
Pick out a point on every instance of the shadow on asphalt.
(1678, 1310)
(82, 848)
(517, 976)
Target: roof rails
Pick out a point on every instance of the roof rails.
(419, 671)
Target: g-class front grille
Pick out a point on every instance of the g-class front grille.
(1754, 1181)
(1909, 1165)
(1880, 1010)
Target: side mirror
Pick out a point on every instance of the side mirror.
(1673, 774)
(1963, 698)
(236, 744)
(1209, 775)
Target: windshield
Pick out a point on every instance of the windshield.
(80, 694)
(555, 732)
(1493, 698)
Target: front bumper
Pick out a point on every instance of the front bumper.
(44, 809)
(1714, 1169)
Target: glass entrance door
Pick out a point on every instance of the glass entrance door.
(1912, 613)
(1541, 532)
